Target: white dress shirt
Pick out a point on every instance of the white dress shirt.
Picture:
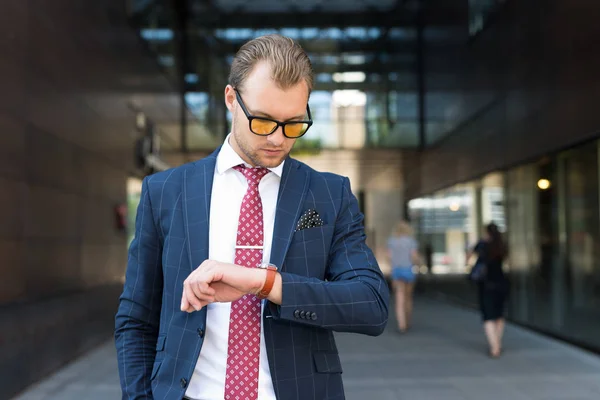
(229, 188)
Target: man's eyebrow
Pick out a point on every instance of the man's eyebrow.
(263, 114)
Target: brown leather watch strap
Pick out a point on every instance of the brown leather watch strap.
(269, 281)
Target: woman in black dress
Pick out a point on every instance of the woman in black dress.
(493, 287)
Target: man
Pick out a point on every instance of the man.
(197, 319)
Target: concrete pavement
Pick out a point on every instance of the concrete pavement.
(442, 357)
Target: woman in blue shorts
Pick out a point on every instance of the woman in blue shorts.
(403, 255)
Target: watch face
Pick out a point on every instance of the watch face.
(267, 265)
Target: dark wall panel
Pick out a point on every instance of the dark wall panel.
(68, 71)
(533, 75)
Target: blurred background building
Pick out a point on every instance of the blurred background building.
(451, 113)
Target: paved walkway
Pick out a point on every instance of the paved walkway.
(443, 357)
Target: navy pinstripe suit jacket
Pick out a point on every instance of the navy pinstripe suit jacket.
(331, 282)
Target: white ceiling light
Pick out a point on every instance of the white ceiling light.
(349, 77)
(345, 98)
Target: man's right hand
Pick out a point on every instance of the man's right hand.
(214, 281)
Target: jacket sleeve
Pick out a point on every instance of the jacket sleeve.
(355, 296)
(138, 316)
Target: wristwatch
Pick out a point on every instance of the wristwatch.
(271, 273)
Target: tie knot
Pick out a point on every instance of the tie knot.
(253, 175)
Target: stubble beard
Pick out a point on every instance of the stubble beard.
(253, 156)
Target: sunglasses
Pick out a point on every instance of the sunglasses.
(263, 126)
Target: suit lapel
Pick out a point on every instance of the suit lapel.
(197, 190)
(292, 191)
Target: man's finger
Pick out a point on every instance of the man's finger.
(193, 300)
(206, 289)
(185, 304)
(204, 293)
(191, 297)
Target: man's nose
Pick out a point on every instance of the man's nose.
(276, 139)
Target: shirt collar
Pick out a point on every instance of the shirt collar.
(228, 159)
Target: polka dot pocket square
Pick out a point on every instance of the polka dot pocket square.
(310, 219)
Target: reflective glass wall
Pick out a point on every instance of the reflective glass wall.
(366, 92)
(549, 211)
(445, 222)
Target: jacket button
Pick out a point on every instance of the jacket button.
(183, 382)
(303, 314)
(297, 313)
(200, 333)
(313, 316)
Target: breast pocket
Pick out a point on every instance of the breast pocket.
(322, 233)
(309, 251)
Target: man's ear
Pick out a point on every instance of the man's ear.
(229, 97)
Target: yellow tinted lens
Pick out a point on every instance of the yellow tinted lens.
(295, 129)
(262, 126)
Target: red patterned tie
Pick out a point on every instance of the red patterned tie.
(243, 353)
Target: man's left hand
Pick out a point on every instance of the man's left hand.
(214, 281)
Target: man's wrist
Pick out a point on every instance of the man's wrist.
(261, 279)
(269, 275)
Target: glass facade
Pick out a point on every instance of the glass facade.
(480, 12)
(134, 192)
(549, 211)
(444, 221)
(366, 81)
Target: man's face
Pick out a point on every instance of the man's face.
(263, 98)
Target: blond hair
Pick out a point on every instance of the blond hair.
(289, 62)
(403, 228)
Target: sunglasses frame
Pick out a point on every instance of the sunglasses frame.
(251, 117)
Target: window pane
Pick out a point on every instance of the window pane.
(583, 240)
